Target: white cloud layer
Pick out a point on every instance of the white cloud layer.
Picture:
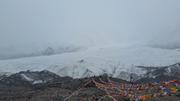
(29, 23)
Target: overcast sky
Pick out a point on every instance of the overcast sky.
(88, 22)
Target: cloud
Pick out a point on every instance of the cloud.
(88, 22)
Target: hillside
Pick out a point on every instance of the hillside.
(26, 86)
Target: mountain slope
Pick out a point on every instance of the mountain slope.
(160, 73)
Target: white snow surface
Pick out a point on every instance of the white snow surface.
(96, 61)
(38, 82)
(26, 77)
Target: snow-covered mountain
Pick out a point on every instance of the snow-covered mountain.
(28, 78)
(16, 52)
(160, 73)
(116, 61)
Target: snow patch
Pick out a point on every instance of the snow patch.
(38, 82)
(26, 77)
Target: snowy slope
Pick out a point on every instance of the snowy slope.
(117, 61)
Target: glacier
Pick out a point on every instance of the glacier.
(116, 61)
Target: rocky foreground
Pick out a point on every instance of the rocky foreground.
(47, 86)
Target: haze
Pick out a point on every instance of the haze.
(26, 25)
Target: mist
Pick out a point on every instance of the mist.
(29, 25)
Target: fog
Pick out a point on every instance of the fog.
(27, 25)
